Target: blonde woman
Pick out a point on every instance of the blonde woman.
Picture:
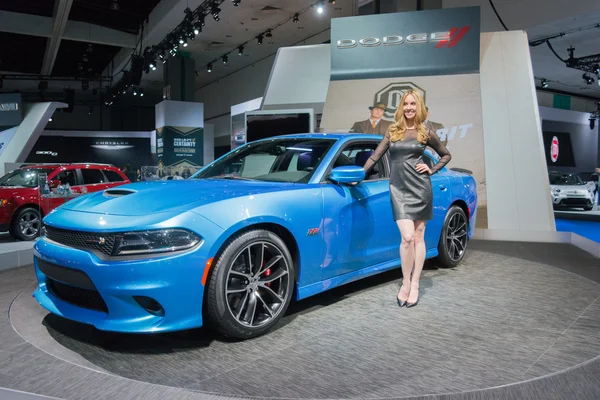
(410, 186)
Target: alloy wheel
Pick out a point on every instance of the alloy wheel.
(29, 224)
(257, 284)
(456, 237)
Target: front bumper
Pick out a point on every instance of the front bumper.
(565, 200)
(77, 285)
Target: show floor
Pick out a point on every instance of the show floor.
(514, 320)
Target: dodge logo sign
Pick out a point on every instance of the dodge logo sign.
(554, 149)
(449, 38)
(392, 94)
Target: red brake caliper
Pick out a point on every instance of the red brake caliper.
(267, 273)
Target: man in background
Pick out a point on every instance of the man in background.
(375, 124)
(434, 126)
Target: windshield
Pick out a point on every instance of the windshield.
(27, 177)
(565, 179)
(276, 160)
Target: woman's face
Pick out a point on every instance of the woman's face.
(410, 107)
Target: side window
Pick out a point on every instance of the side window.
(92, 176)
(67, 176)
(113, 176)
(358, 154)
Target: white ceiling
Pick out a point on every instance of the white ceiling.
(242, 24)
(586, 42)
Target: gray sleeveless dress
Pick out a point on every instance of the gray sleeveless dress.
(410, 191)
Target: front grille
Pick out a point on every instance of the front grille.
(85, 298)
(69, 276)
(575, 201)
(102, 243)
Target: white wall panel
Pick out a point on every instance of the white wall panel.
(516, 172)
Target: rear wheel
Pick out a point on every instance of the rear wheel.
(251, 285)
(454, 238)
(26, 224)
(590, 208)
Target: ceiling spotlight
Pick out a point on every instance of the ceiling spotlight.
(588, 79)
(544, 84)
(197, 28)
(224, 59)
(91, 110)
(50, 119)
(85, 85)
(331, 1)
(201, 19)
(141, 92)
(240, 50)
(134, 91)
(260, 39)
(90, 48)
(185, 43)
(268, 34)
(181, 40)
(115, 5)
(236, 2)
(295, 19)
(214, 10)
(320, 8)
(209, 67)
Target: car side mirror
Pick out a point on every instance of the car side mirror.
(347, 174)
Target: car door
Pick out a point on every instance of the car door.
(441, 190)
(359, 229)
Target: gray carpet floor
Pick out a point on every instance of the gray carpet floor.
(510, 313)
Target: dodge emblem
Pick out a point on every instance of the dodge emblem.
(392, 94)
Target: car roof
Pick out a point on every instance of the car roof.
(74, 165)
(328, 135)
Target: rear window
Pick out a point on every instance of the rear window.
(113, 176)
(92, 176)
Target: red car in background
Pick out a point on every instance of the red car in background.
(22, 210)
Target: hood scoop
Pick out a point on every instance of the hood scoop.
(118, 192)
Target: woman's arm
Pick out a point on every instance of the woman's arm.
(379, 152)
(445, 157)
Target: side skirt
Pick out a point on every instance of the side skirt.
(319, 287)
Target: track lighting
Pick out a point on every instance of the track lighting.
(260, 39)
(224, 59)
(209, 67)
(268, 34)
(236, 2)
(295, 19)
(320, 8)
(240, 50)
(197, 28)
(544, 84)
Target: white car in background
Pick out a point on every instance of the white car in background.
(570, 191)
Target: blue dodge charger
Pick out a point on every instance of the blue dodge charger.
(280, 218)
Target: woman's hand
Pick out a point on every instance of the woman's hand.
(422, 168)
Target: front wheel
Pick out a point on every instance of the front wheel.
(251, 285)
(26, 224)
(454, 238)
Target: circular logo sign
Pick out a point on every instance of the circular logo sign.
(392, 94)
(554, 149)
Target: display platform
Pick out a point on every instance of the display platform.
(14, 253)
(515, 317)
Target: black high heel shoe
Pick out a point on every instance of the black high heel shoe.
(401, 303)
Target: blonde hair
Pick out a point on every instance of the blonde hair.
(398, 129)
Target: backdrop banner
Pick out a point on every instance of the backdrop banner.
(182, 146)
(11, 110)
(416, 43)
(446, 76)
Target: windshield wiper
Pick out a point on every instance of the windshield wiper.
(232, 177)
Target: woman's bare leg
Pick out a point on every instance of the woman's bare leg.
(420, 250)
(407, 255)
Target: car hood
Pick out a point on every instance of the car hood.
(167, 196)
(9, 191)
(578, 188)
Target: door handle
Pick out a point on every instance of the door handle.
(443, 187)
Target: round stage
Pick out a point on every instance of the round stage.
(494, 320)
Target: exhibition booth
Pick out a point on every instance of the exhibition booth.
(515, 314)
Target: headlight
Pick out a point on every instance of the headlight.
(555, 191)
(164, 240)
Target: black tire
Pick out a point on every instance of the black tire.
(588, 208)
(450, 255)
(32, 224)
(230, 273)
